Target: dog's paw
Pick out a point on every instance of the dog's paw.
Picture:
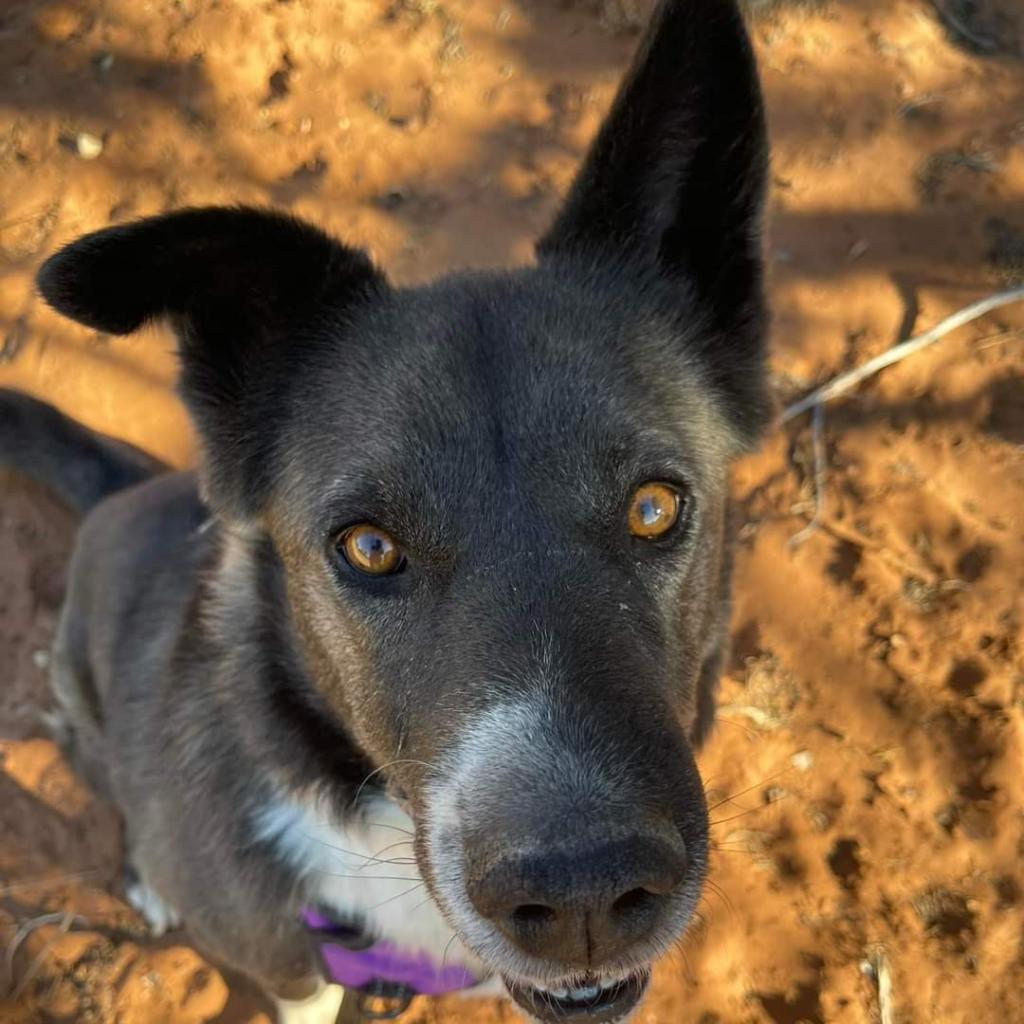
(159, 916)
(320, 1008)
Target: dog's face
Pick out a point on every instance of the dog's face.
(499, 504)
(544, 501)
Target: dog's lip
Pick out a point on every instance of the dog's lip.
(587, 1000)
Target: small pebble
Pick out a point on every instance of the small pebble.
(858, 249)
(306, 125)
(820, 818)
(802, 760)
(41, 659)
(88, 146)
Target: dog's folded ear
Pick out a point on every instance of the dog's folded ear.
(676, 176)
(237, 285)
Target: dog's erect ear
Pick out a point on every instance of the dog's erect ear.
(235, 284)
(675, 179)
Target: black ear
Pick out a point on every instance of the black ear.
(675, 179)
(237, 285)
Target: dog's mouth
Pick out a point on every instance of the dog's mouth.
(589, 1000)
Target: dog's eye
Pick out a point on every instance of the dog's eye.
(371, 550)
(653, 510)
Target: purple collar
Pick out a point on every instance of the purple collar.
(379, 969)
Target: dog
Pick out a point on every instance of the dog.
(413, 670)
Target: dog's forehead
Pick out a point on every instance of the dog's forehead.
(513, 347)
(497, 386)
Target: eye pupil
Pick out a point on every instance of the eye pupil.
(650, 511)
(371, 547)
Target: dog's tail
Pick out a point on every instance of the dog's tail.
(79, 465)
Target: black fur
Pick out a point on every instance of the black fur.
(80, 465)
(496, 425)
(238, 284)
(675, 181)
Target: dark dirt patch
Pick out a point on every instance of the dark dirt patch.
(946, 915)
(844, 863)
(801, 1007)
(965, 677)
(1006, 409)
(974, 563)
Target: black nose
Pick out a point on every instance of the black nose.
(586, 903)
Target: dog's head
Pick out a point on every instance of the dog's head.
(499, 503)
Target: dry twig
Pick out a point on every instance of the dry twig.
(846, 381)
(876, 967)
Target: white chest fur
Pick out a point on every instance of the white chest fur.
(363, 867)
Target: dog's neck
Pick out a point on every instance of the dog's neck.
(360, 867)
(277, 713)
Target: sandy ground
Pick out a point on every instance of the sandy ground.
(866, 772)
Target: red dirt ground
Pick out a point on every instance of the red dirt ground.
(873, 712)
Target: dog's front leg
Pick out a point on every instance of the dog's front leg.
(323, 1006)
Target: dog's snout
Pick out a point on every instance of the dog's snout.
(585, 904)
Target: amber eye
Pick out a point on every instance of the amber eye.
(371, 550)
(653, 510)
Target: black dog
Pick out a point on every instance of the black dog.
(448, 600)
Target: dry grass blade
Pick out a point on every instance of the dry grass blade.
(64, 919)
(24, 884)
(818, 448)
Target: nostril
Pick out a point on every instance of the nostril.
(632, 900)
(633, 904)
(533, 915)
